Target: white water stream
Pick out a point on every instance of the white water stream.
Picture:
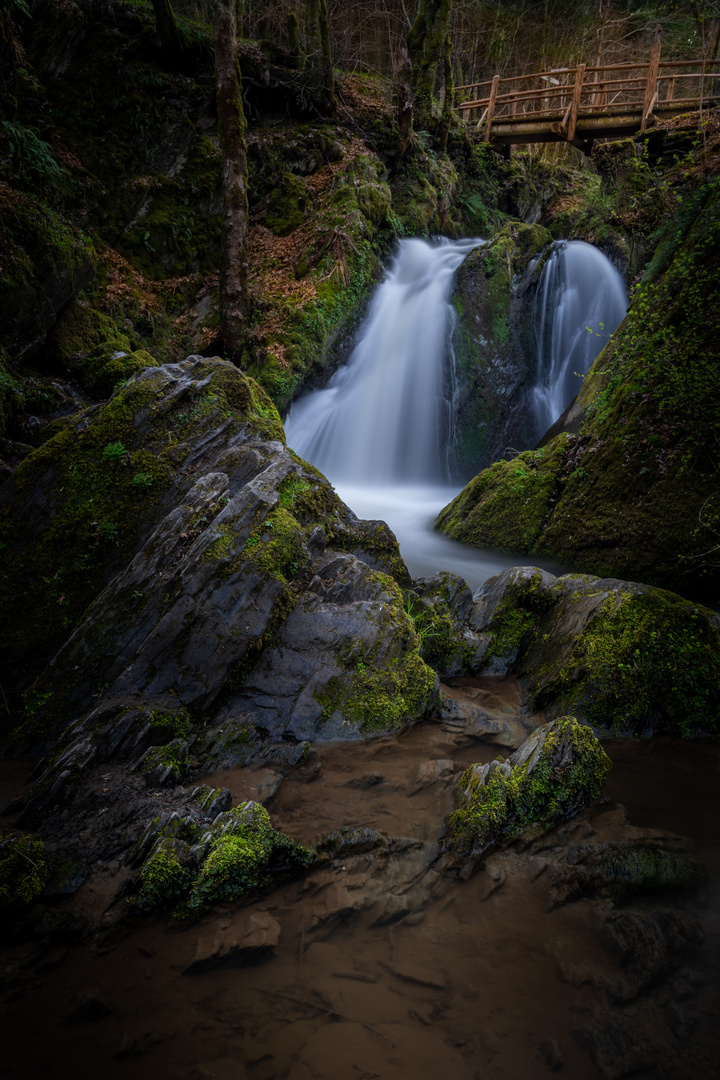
(381, 427)
(581, 301)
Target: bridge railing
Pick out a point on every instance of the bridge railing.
(561, 97)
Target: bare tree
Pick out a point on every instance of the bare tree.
(234, 296)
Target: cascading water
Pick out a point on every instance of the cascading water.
(581, 301)
(380, 429)
(384, 417)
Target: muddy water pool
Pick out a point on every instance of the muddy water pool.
(383, 967)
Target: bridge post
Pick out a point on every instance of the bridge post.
(651, 84)
(491, 106)
(575, 103)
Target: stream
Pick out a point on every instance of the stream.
(381, 969)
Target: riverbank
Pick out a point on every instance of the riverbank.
(374, 965)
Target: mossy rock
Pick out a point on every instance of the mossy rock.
(559, 770)
(506, 505)
(624, 870)
(495, 345)
(109, 365)
(238, 854)
(287, 206)
(78, 507)
(625, 657)
(634, 495)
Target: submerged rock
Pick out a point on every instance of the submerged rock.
(557, 771)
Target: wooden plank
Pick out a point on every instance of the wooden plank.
(670, 90)
(575, 103)
(651, 85)
(491, 107)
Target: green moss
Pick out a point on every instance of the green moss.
(286, 208)
(621, 870)
(565, 771)
(26, 871)
(164, 880)
(95, 511)
(35, 241)
(648, 657)
(383, 697)
(247, 856)
(505, 506)
(108, 366)
(11, 397)
(441, 643)
(517, 616)
(277, 547)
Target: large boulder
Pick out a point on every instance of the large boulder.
(494, 343)
(238, 611)
(623, 656)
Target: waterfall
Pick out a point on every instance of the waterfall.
(581, 301)
(386, 415)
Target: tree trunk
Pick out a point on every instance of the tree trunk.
(234, 297)
(293, 37)
(447, 110)
(172, 40)
(426, 44)
(404, 97)
(328, 79)
(313, 59)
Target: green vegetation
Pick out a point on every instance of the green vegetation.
(247, 856)
(506, 506)
(383, 698)
(559, 770)
(624, 870)
(98, 511)
(239, 855)
(646, 658)
(26, 871)
(635, 496)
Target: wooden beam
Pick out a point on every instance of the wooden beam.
(491, 107)
(651, 84)
(575, 103)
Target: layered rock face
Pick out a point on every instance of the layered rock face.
(494, 343)
(218, 603)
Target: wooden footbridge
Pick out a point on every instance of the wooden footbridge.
(578, 105)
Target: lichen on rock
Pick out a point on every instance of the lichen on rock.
(557, 771)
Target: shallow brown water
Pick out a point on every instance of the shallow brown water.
(383, 970)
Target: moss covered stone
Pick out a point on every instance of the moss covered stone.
(494, 344)
(190, 866)
(556, 772)
(626, 657)
(247, 855)
(635, 495)
(506, 505)
(621, 870)
(78, 507)
(286, 208)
